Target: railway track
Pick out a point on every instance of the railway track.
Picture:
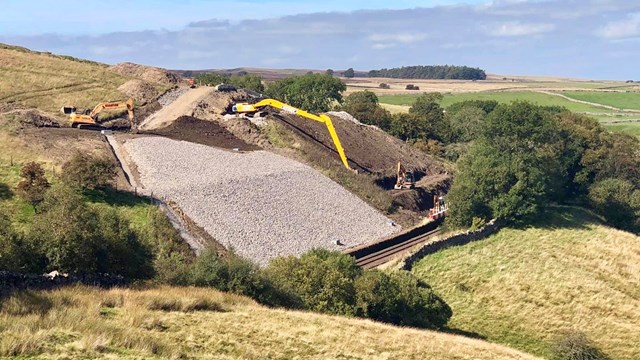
(374, 255)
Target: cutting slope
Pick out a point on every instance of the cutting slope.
(525, 287)
(185, 105)
(262, 204)
(82, 323)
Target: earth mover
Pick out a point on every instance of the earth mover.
(89, 119)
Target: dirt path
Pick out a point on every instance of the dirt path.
(185, 105)
(588, 102)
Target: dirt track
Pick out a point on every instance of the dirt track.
(185, 105)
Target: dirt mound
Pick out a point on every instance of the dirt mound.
(185, 105)
(367, 147)
(32, 118)
(203, 132)
(141, 91)
(146, 73)
(245, 130)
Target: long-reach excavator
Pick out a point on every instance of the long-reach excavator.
(89, 119)
(322, 118)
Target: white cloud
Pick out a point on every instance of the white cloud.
(516, 28)
(627, 28)
(382, 46)
(405, 38)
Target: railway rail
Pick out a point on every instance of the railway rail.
(373, 255)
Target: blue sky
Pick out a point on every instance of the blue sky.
(593, 39)
(31, 17)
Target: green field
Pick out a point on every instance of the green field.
(621, 100)
(627, 128)
(501, 97)
(524, 287)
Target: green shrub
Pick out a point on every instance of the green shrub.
(16, 253)
(319, 280)
(232, 273)
(76, 238)
(88, 172)
(400, 298)
(575, 345)
(34, 185)
(618, 201)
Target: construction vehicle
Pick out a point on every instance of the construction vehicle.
(404, 179)
(439, 208)
(89, 119)
(261, 105)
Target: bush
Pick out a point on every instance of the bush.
(34, 185)
(76, 238)
(384, 86)
(313, 92)
(400, 298)
(88, 172)
(618, 201)
(363, 105)
(575, 345)
(234, 274)
(319, 280)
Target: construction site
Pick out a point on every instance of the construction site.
(237, 171)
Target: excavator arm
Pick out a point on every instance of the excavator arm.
(252, 108)
(89, 120)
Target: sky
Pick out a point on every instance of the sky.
(594, 39)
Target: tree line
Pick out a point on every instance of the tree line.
(514, 160)
(431, 72)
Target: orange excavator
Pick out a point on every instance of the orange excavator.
(89, 119)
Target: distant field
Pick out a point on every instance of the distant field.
(501, 97)
(523, 287)
(621, 100)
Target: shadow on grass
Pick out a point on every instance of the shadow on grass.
(115, 197)
(559, 217)
(5, 192)
(469, 334)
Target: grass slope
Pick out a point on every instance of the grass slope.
(49, 82)
(524, 287)
(620, 100)
(167, 322)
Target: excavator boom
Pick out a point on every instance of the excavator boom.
(89, 120)
(252, 108)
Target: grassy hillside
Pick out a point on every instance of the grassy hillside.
(48, 82)
(198, 323)
(524, 287)
(621, 100)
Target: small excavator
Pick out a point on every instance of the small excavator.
(404, 179)
(322, 118)
(89, 119)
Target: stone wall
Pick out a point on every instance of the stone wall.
(454, 240)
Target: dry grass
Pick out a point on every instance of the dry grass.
(524, 287)
(80, 322)
(46, 82)
(493, 83)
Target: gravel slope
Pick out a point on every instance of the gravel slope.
(261, 204)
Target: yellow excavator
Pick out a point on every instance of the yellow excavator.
(88, 119)
(259, 106)
(404, 179)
